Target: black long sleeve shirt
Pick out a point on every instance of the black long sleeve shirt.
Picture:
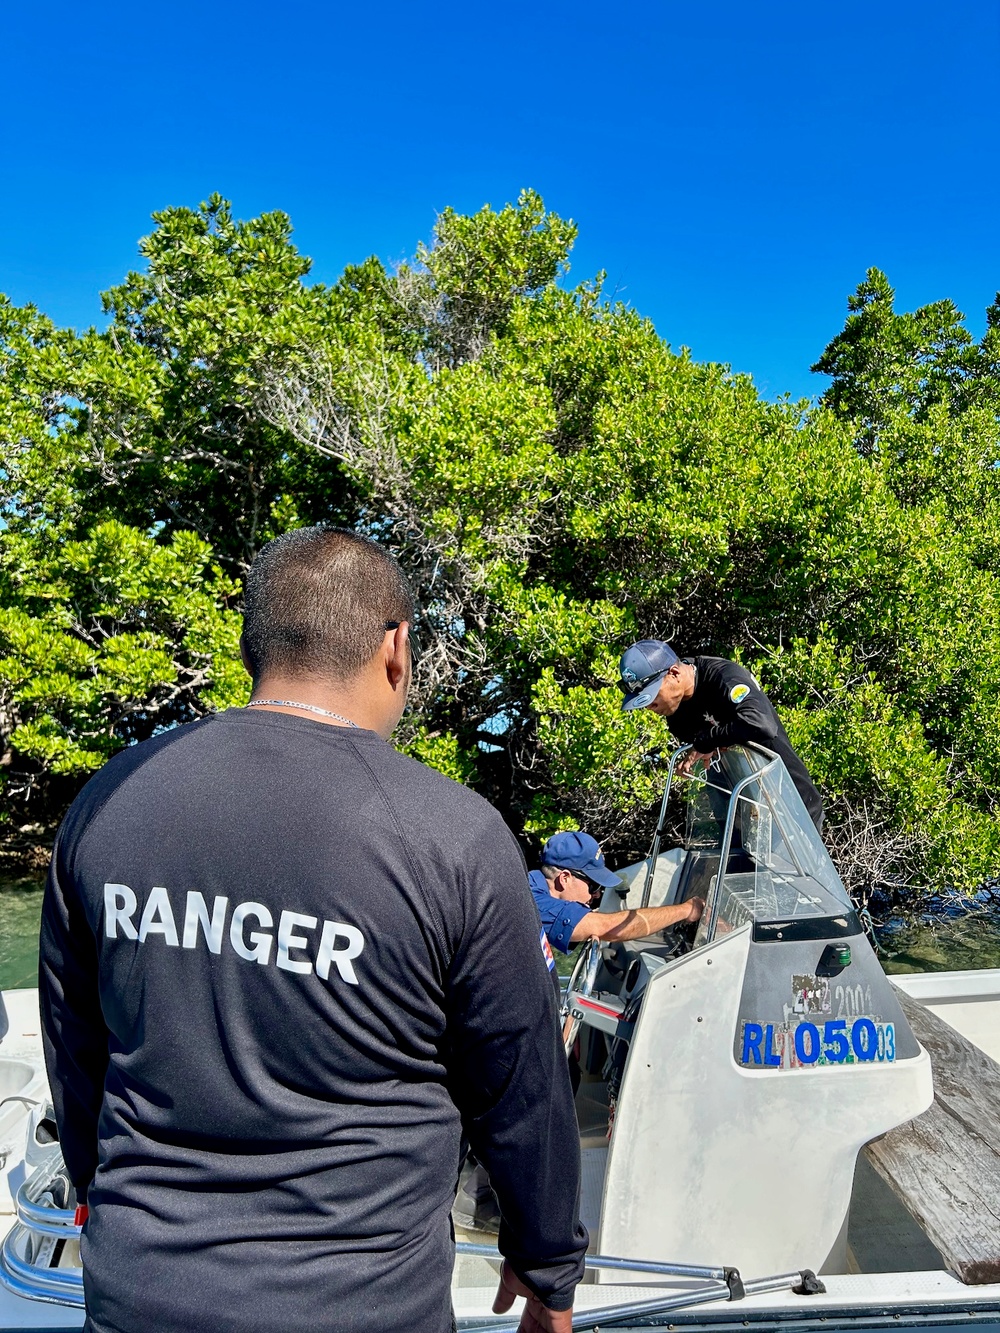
(283, 967)
(728, 707)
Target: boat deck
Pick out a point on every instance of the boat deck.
(893, 1261)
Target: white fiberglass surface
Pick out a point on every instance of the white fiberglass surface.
(15, 1077)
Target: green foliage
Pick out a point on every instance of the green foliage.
(590, 746)
(157, 421)
(441, 751)
(467, 284)
(921, 399)
(105, 641)
(884, 362)
(866, 749)
(556, 480)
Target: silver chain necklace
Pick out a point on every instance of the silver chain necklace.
(309, 708)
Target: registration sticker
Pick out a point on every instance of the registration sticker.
(799, 1045)
(810, 994)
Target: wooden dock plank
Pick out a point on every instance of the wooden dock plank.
(966, 1080)
(945, 1165)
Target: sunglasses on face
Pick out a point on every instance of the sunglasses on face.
(596, 890)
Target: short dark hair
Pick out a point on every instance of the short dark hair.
(317, 601)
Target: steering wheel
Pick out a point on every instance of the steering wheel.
(581, 982)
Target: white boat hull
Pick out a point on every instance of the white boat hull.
(969, 1001)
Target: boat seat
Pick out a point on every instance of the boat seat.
(944, 1166)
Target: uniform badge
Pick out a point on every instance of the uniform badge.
(738, 693)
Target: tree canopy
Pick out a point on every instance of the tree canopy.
(555, 479)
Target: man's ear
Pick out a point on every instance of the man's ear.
(245, 657)
(397, 659)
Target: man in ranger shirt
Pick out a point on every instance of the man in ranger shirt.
(710, 703)
(283, 970)
(569, 886)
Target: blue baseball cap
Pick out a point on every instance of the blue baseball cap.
(642, 669)
(579, 852)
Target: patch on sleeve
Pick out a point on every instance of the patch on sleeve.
(738, 693)
(550, 962)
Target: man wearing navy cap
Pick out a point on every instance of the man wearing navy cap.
(572, 878)
(711, 703)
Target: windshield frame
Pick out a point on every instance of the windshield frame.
(793, 857)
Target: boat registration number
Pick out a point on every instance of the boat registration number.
(838, 1041)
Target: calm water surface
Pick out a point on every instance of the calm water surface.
(951, 935)
(20, 910)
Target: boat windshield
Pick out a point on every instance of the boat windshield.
(776, 866)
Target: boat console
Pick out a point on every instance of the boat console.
(749, 1064)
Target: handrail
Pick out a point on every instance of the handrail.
(40, 1217)
(609, 1262)
(54, 1286)
(602, 1315)
(719, 1290)
(39, 1282)
(588, 963)
(727, 838)
(647, 887)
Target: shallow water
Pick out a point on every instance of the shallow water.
(949, 934)
(20, 912)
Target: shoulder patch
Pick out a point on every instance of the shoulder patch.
(550, 962)
(738, 693)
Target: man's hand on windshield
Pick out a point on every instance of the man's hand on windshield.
(692, 759)
(535, 1317)
(696, 907)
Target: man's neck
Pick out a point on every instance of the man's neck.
(691, 681)
(297, 695)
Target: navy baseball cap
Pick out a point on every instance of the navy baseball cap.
(579, 852)
(642, 669)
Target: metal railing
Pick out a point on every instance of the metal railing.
(727, 840)
(721, 1284)
(647, 886)
(727, 835)
(26, 1255)
(26, 1271)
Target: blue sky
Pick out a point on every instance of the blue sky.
(734, 168)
